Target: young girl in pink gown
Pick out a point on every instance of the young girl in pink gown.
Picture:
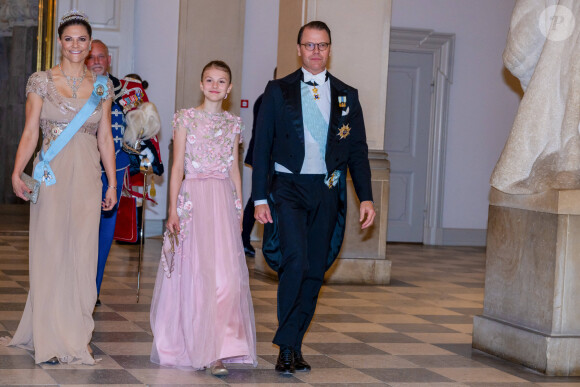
(201, 313)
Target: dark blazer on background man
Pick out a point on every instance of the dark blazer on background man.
(250, 153)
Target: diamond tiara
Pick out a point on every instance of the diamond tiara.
(73, 14)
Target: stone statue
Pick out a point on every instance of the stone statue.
(543, 52)
(17, 13)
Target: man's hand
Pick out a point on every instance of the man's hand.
(262, 213)
(366, 210)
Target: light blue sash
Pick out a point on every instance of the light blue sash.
(42, 171)
(313, 118)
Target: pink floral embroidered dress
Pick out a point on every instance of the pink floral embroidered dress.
(202, 311)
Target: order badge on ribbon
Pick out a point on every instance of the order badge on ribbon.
(332, 179)
(100, 90)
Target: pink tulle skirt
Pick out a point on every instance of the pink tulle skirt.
(203, 311)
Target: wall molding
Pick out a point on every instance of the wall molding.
(441, 47)
(464, 237)
(154, 227)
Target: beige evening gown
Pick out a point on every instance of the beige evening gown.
(63, 239)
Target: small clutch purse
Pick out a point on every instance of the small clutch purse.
(33, 185)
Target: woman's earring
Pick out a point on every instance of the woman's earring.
(226, 97)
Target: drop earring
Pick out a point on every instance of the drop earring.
(226, 97)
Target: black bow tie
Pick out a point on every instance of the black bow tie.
(313, 83)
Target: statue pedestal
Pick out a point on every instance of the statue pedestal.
(362, 259)
(531, 309)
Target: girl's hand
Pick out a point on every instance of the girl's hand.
(19, 187)
(172, 223)
(110, 199)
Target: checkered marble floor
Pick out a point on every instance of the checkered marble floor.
(415, 332)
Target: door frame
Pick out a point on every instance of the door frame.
(441, 47)
(114, 31)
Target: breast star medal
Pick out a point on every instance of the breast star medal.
(344, 131)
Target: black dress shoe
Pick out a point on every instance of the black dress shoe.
(250, 252)
(300, 364)
(285, 362)
(98, 303)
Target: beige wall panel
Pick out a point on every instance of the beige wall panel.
(208, 30)
(360, 53)
(290, 20)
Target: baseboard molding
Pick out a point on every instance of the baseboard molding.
(153, 227)
(464, 237)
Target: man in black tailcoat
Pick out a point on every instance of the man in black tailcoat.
(310, 128)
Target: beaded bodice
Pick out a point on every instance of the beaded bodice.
(57, 110)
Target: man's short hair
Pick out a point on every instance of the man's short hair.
(103, 43)
(316, 25)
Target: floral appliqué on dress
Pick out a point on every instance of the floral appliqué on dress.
(237, 204)
(184, 212)
(209, 140)
(209, 144)
(184, 207)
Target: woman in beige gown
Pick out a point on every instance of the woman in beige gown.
(57, 323)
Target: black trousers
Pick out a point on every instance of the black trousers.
(248, 221)
(307, 212)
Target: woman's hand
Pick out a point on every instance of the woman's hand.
(110, 199)
(172, 223)
(19, 187)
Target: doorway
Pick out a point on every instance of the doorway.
(420, 76)
(410, 81)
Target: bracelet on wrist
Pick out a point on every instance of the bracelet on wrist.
(112, 186)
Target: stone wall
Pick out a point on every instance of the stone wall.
(18, 47)
(17, 63)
